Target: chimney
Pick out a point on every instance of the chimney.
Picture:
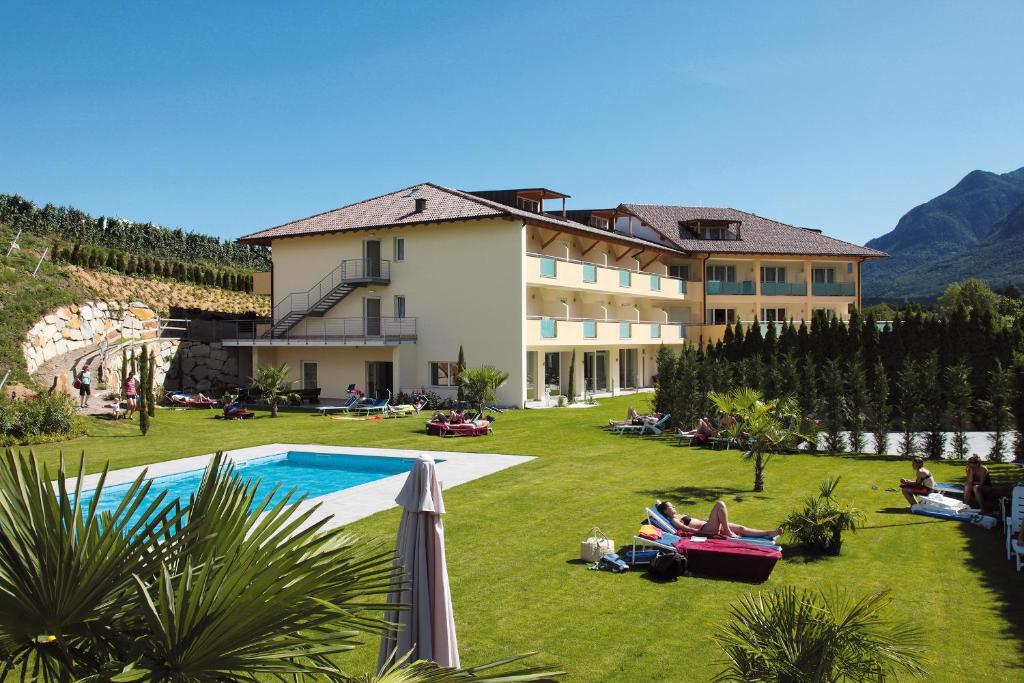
(421, 205)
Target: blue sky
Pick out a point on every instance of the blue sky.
(231, 118)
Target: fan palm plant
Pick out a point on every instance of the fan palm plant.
(819, 526)
(479, 385)
(225, 587)
(272, 385)
(761, 427)
(813, 637)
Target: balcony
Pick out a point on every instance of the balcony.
(832, 289)
(784, 289)
(744, 288)
(551, 271)
(321, 332)
(542, 331)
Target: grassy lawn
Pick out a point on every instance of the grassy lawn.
(513, 540)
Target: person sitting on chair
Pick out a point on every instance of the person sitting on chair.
(717, 523)
(922, 484)
(979, 482)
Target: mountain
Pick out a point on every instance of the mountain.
(972, 230)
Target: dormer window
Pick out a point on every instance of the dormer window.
(710, 230)
(599, 222)
(527, 204)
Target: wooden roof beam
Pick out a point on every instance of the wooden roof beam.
(587, 250)
(544, 245)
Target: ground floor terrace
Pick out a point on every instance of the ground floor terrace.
(513, 539)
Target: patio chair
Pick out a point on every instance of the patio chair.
(351, 402)
(1012, 520)
(646, 428)
(378, 406)
(662, 522)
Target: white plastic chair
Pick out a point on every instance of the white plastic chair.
(1012, 520)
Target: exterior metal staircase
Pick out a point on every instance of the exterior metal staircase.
(326, 294)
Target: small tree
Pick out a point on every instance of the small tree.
(810, 636)
(820, 525)
(481, 384)
(273, 386)
(958, 388)
(833, 405)
(857, 403)
(151, 386)
(933, 407)
(761, 427)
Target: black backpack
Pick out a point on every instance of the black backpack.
(667, 566)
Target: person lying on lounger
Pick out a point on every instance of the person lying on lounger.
(717, 523)
(921, 485)
(631, 415)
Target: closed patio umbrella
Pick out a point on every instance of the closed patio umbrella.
(427, 628)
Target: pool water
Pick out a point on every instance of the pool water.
(310, 474)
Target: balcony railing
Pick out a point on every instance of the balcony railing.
(721, 287)
(784, 288)
(832, 289)
(592, 331)
(353, 272)
(320, 331)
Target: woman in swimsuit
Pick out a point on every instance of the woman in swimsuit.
(922, 484)
(979, 482)
(717, 523)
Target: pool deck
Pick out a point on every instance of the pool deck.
(347, 505)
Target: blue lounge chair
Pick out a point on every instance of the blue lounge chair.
(378, 406)
(659, 520)
(654, 428)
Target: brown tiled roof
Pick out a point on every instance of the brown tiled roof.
(442, 204)
(757, 235)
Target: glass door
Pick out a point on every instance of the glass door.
(379, 378)
(627, 368)
(309, 379)
(552, 372)
(371, 257)
(371, 316)
(595, 370)
(531, 374)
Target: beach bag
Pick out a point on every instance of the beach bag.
(667, 566)
(596, 545)
(77, 384)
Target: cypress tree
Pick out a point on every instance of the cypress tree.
(735, 352)
(933, 406)
(879, 390)
(570, 395)
(124, 366)
(666, 390)
(1001, 397)
(1018, 403)
(753, 343)
(151, 386)
(833, 405)
(727, 340)
(910, 407)
(807, 394)
(689, 390)
(770, 345)
(143, 393)
(460, 366)
(958, 388)
(857, 402)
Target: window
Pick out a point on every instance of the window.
(721, 273)
(399, 306)
(773, 274)
(710, 232)
(721, 316)
(444, 374)
(824, 275)
(528, 204)
(599, 222)
(680, 272)
(773, 315)
(399, 249)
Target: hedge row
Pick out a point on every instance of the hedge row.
(95, 258)
(39, 419)
(146, 239)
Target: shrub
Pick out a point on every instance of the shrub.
(820, 525)
(44, 418)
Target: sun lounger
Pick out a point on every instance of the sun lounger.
(375, 407)
(966, 515)
(716, 556)
(345, 407)
(949, 489)
(654, 428)
(473, 428)
(180, 399)
(659, 520)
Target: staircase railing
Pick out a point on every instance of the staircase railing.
(356, 271)
(374, 329)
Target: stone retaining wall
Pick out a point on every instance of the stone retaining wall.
(69, 328)
(206, 367)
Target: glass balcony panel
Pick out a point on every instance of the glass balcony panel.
(548, 267)
(589, 272)
(682, 286)
(625, 330)
(590, 329)
(655, 283)
(784, 288)
(548, 328)
(721, 287)
(625, 278)
(655, 330)
(832, 289)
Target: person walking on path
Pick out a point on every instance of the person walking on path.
(84, 387)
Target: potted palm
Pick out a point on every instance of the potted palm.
(819, 526)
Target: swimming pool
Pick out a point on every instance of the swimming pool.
(308, 473)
